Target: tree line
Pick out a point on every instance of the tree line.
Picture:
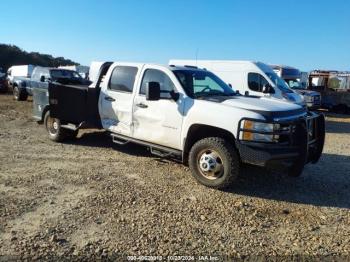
(13, 55)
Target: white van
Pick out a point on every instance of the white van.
(247, 77)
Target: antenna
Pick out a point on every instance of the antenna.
(197, 55)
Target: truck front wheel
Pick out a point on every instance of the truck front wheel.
(296, 169)
(19, 94)
(214, 162)
(53, 128)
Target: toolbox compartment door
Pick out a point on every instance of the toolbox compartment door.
(69, 103)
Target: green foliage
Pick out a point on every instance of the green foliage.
(12, 55)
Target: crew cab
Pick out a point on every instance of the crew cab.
(189, 114)
(41, 76)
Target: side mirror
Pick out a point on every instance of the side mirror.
(268, 89)
(174, 95)
(42, 79)
(229, 85)
(152, 91)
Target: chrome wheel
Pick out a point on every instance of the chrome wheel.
(52, 126)
(210, 164)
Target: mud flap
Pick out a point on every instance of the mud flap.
(321, 133)
(302, 137)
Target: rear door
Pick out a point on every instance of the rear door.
(116, 99)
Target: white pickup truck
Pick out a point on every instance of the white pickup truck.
(190, 114)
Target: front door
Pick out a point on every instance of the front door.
(256, 83)
(158, 122)
(116, 100)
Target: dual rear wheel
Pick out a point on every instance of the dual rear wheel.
(55, 130)
(19, 94)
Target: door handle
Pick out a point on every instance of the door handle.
(141, 105)
(108, 98)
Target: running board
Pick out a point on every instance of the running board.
(160, 153)
(119, 141)
(155, 149)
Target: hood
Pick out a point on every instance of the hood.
(267, 107)
(304, 92)
(260, 104)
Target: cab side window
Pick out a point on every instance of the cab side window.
(36, 74)
(123, 79)
(153, 75)
(256, 82)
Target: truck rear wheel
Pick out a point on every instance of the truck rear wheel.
(53, 128)
(19, 94)
(71, 134)
(214, 162)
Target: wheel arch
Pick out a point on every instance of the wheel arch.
(46, 108)
(197, 132)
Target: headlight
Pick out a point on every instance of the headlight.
(309, 98)
(258, 131)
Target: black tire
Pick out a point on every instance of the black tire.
(53, 127)
(225, 152)
(19, 94)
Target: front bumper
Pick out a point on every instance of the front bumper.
(302, 144)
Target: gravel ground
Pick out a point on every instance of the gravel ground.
(91, 199)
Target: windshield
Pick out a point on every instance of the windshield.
(55, 74)
(295, 84)
(279, 82)
(199, 84)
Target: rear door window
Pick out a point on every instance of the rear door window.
(123, 79)
(36, 74)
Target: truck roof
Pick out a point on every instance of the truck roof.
(173, 61)
(171, 67)
(174, 67)
(282, 66)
